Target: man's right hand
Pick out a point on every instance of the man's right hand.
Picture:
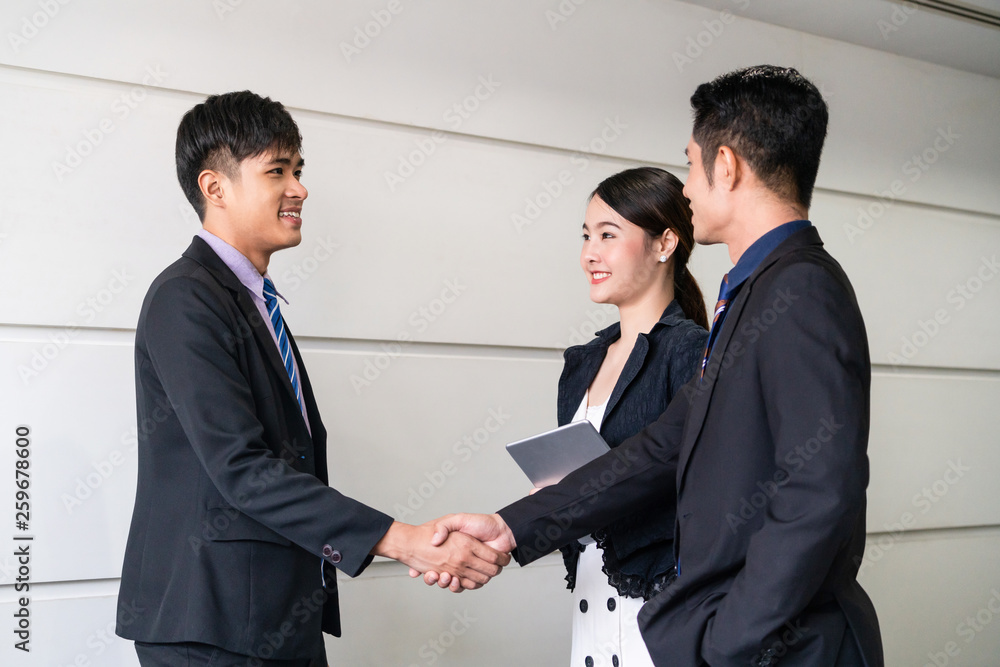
(467, 561)
(490, 529)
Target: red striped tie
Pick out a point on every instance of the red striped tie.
(720, 308)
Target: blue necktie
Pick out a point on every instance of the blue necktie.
(271, 301)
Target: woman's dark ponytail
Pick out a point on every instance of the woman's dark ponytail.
(689, 296)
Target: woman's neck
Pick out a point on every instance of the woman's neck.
(640, 316)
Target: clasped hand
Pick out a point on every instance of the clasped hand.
(433, 548)
(487, 530)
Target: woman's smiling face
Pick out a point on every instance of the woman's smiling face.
(618, 258)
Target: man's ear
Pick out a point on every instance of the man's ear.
(213, 186)
(728, 168)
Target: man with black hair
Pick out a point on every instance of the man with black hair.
(235, 533)
(766, 448)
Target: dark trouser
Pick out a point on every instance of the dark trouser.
(190, 654)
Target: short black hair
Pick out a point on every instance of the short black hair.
(772, 117)
(226, 129)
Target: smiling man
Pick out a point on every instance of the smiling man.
(766, 448)
(236, 536)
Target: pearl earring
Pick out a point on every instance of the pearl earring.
(663, 259)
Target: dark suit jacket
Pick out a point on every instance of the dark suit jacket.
(234, 526)
(768, 457)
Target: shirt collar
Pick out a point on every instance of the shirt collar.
(238, 263)
(760, 249)
(671, 316)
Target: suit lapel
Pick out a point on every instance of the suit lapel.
(700, 395)
(263, 337)
(202, 253)
(632, 365)
(584, 363)
(316, 429)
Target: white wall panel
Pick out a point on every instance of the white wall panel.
(80, 408)
(886, 110)
(937, 596)
(84, 241)
(933, 451)
(927, 280)
(70, 627)
(522, 617)
(412, 73)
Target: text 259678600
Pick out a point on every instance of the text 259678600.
(22, 548)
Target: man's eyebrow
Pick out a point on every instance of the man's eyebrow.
(287, 161)
(686, 153)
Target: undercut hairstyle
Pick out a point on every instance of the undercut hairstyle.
(773, 118)
(653, 199)
(223, 131)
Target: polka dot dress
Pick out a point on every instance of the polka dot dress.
(605, 625)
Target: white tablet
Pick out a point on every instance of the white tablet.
(550, 456)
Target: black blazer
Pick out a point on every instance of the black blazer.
(637, 549)
(234, 525)
(768, 457)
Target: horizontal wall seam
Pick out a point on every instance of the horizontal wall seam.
(941, 532)
(39, 333)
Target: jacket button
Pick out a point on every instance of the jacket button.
(327, 551)
(614, 661)
(335, 557)
(612, 604)
(583, 606)
(588, 661)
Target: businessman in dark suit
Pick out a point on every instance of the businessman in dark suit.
(235, 534)
(766, 449)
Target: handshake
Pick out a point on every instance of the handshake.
(457, 551)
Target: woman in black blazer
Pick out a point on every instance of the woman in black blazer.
(637, 238)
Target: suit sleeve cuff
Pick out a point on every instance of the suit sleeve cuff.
(353, 557)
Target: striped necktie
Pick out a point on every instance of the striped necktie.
(720, 308)
(271, 301)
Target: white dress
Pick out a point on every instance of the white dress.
(605, 629)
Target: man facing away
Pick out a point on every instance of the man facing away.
(766, 448)
(235, 534)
